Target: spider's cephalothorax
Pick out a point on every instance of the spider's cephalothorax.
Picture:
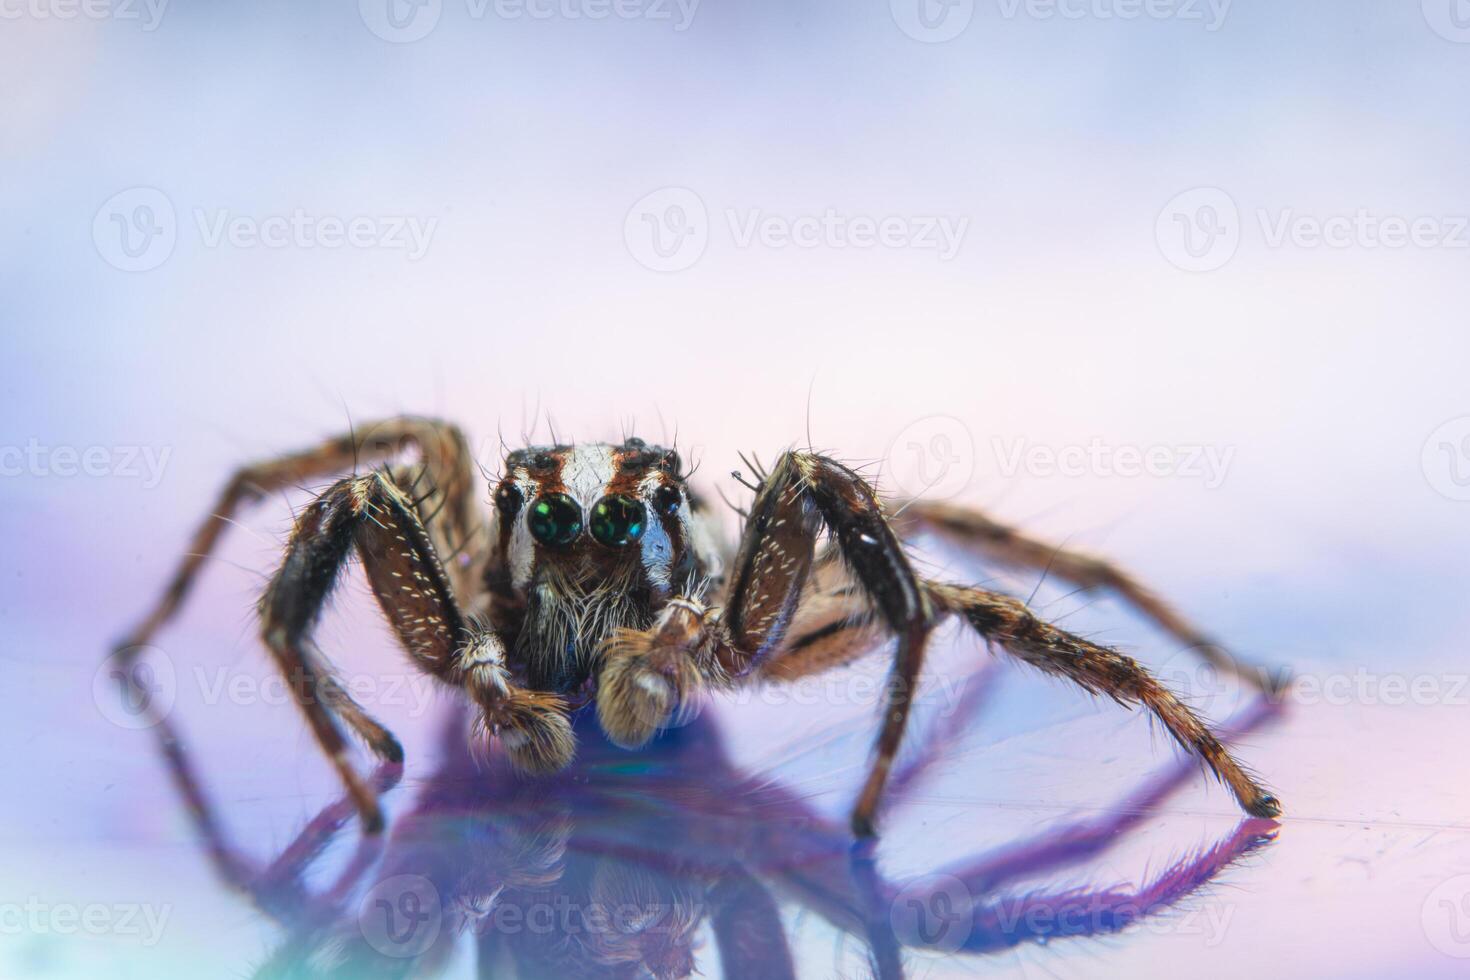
(586, 540)
(598, 578)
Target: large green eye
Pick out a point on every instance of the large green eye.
(554, 519)
(617, 520)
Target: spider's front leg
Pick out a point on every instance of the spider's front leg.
(647, 672)
(375, 515)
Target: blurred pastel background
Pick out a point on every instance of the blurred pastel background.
(668, 217)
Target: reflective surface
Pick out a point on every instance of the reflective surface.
(646, 864)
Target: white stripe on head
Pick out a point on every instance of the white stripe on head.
(587, 472)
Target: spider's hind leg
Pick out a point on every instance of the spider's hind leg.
(1007, 623)
(974, 531)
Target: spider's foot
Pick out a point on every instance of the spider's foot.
(533, 728)
(1264, 805)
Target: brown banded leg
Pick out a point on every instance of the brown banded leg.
(448, 474)
(974, 531)
(377, 518)
(804, 494)
(1006, 622)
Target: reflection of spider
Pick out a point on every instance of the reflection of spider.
(599, 579)
(612, 867)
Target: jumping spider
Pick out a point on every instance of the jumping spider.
(599, 581)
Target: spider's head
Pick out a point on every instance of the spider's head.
(592, 510)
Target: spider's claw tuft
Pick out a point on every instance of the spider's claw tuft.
(1264, 805)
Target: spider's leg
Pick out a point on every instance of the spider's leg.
(277, 888)
(974, 531)
(748, 931)
(1040, 917)
(448, 467)
(1070, 843)
(375, 516)
(1007, 623)
(803, 494)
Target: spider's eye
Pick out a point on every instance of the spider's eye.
(554, 518)
(617, 520)
(508, 500)
(667, 500)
